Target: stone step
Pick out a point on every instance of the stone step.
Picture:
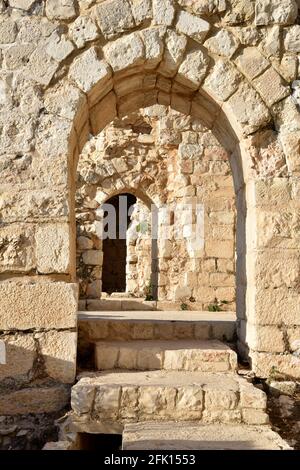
(189, 355)
(138, 325)
(190, 436)
(110, 399)
(133, 303)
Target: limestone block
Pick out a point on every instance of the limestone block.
(163, 12)
(157, 399)
(17, 55)
(18, 206)
(107, 401)
(174, 50)
(37, 305)
(106, 357)
(114, 17)
(248, 109)
(34, 400)
(82, 398)
(21, 4)
(141, 10)
(221, 416)
(252, 397)
(265, 338)
(149, 359)
(103, 112)
(90, 74)
(223, 43)
(182, 292)
(20, 356)
(251, 62)
(63, 10)
(153, 46)
(127, 358)
(54, 136)
(16, 248)
(53, 248)
(251, 416)
(275, 365)
(58, 349)
(41, 67)
(219, 248)
(83, 30)
(8, 31)
(59, 47)
(125, 52)
(275, 12)
(93, 257)
(291, 147)
(274, 93)
(192, 26)
(189, 401)
(220, 399)
(292, 39)
(193, 69)
(222, 81)
(294, 339)
(129, 402)
(68, 102)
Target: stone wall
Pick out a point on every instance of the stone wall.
(69, 69)
(175, 162)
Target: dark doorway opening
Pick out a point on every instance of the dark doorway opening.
(114, 249)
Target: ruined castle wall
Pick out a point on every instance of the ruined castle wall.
(67, 72)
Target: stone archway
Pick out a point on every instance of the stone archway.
(75, 82)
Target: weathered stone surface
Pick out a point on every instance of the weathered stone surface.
(21, 4)
(173, 55)
(222, 81)
(64, 10)
(275, 365)
(16, 248)
(8, 31)
(292, 39)
(192, 26)
(37, 305)
(58, 349)
(83, 30)
(17, 55)
(163, 12)
(193, 69)
(93, 257)
(125, 52)
(153, 46)
(251, 62)
(141, 10)
(248, 108)
(223, 44)
(59, 47)
(52, 248)
(34, 400)
(90, 74)
(20, 352)
(277, 11)
(114, 17)
(41, 67)
(274, 93)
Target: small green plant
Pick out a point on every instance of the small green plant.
(184, 306)
(217, 305)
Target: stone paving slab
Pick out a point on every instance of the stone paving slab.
(190, 436)
(192, 355)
